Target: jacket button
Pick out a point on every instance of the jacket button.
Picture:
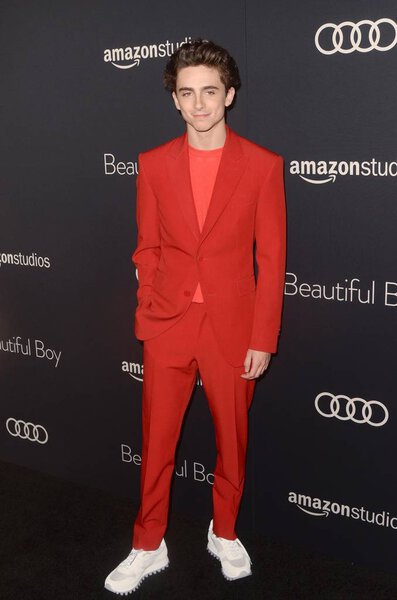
(187, 293)
(201, 258)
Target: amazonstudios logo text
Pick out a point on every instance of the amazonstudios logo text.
(19, 259)
(321, 507)
(319, 172)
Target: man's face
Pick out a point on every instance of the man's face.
(201, 97)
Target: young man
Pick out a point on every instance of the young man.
(203, 199)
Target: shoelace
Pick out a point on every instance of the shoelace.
(233, 546)
(130, 558)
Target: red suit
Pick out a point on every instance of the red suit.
(238, 312)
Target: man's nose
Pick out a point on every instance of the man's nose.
(198, 101)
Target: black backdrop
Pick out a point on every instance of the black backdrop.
(77, 109)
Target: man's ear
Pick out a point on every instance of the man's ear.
(176, 101)
(229, 96)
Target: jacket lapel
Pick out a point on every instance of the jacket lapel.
(231, 168)
(180, 183)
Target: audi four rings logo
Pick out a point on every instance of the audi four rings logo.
(27, 431)
(373, 42)
(357, 410)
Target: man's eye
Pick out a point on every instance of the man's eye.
(211, 92)
(185, 94)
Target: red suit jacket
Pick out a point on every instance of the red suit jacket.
(171, 256)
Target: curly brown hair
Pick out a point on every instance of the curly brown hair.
(202, 52)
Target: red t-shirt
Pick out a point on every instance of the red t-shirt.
(203, 169)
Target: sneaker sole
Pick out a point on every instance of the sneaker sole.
(162, 568)
(214, 553)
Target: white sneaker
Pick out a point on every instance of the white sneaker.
(234, 558)
(139, 564)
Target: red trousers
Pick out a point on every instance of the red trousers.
(170, 361)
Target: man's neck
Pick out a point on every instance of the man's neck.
(207, 140)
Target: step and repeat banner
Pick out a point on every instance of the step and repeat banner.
(82, 95)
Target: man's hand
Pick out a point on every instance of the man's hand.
(256, 363)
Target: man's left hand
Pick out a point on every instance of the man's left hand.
(256, 362)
